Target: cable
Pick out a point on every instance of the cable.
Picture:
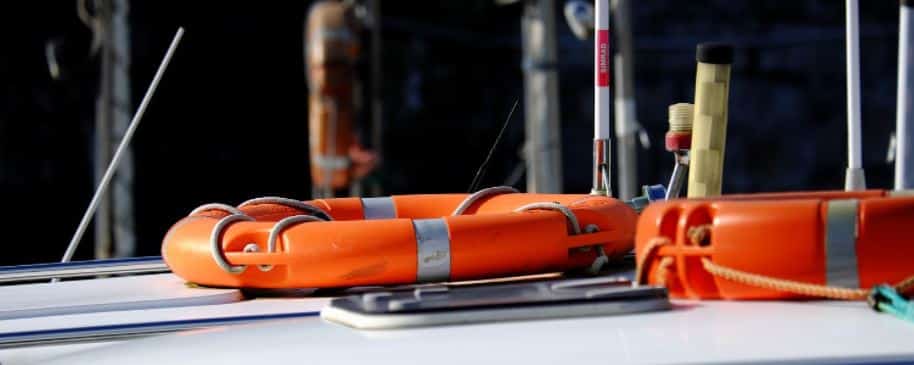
(482, 168)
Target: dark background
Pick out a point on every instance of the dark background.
(229, 121)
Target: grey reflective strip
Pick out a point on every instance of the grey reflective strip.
(433, 243)
(379, 208)
(331, 162)
(901, 193)
(841, 243)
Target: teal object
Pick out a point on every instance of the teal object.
(886, 299)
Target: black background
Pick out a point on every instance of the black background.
(229, 121)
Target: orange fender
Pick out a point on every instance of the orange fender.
(419, 240)
(838, 239)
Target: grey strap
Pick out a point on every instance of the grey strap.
(841, 243)
(379, 208)
(433, 243)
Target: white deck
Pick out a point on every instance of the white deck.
(694, 332)
(706, 332)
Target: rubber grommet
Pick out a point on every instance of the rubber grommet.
(678, 141)
(714, 53)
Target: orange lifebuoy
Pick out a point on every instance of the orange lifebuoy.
(776, 246)
(282, 243)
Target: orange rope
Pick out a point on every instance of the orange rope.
(782, 285)
(649, 251)
(699, 235)
(905, 285)
(663, 270)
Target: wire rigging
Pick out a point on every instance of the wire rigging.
(477, 179)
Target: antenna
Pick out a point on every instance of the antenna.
(601, 143)
(854, 178)
(477, 179)
(904, 123)
(115, 161)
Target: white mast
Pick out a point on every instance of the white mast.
(854, 179)
(904, 127)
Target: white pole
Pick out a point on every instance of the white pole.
(601, 180)
(114, 217)
(904, 127)
(122, 191)
(119, 153)
(625, 122)
(601, 71)
(854, 179)
(541, 90)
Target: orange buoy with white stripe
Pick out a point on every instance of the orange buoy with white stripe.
(776, 246)
(284, 243)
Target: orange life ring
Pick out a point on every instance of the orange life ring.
(776, 246)
(396, 240)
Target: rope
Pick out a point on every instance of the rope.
(216, 244)
(484, 193)
(569, 215)
(601, 259)
(700, 234)
(91, 21)
(664, 270)
(216, 206)
(652, 246)
(783, 285)
(279, 227)
(905, 285)
(289, 203)
(236, 215)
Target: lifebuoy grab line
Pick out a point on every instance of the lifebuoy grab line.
(833, 245)
(393, 240)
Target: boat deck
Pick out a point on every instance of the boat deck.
(288, 328)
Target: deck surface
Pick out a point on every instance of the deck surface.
(693, 332)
